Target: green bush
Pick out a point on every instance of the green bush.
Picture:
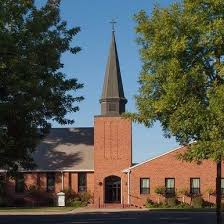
(151, 204)
(208, 204)
(77, 199)
(197, 202)
(160, 190)
(4, 201)
(35, 191)
(85, 197)
(74, 203)
(184, 192)
(222, 205)
(171, 202)
(183, 205)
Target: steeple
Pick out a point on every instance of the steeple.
(113, 100)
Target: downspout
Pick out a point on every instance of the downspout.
(129, 171)
(62, 181)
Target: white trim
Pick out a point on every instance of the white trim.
(62, 181)
(129, 171)
(121, 193)
(45, 171)
(146, 161)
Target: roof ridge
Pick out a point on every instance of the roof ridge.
(155, 157)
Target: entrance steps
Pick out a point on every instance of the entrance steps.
(109, 205)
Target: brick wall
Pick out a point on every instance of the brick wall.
(167, 166)
(31, 179)
(112, 153)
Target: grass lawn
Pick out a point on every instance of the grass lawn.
(36, 209)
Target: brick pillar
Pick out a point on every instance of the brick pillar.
(112, 153)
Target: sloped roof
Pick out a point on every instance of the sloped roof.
(113, 87)
(66, 149)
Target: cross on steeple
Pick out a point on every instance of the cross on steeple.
(113, 22)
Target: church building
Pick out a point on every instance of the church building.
(98, 159)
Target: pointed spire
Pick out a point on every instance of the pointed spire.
(113, 100)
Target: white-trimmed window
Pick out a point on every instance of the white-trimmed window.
(50, 182)
(144, 185)
(82, 182)
(170, 185)
(195, 185)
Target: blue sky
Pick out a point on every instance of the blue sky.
(93, 16)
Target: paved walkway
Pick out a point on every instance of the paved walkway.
(74, 211)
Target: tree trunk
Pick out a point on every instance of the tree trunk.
(218, 192)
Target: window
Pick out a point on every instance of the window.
(144, 186)
(82, 183)
(222, 186)
(50, 182)
(19, 186)
(2, 183)
(170, 185)
(38, 181)
(195, 185)
(70, 181)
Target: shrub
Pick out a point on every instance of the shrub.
(160, 190)
(3, 201)
(184, 191)
(85, 197)
(73, 203)
(77, 199)
(183, 205)
(210, 191)
(34, 191)
(19, 202)
(208, 204)
(151, 204)
(171, 202)
(197, 202)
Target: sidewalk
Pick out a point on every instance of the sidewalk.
(65, 212)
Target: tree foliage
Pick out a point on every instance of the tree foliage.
(182, 77)
(33, 90)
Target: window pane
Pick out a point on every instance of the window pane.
(222, 183)
(170, 183)
(82, 182)
(144, 185)
(195, 183)
(50, 181)
(19, 187)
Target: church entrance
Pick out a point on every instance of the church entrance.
(112, 189)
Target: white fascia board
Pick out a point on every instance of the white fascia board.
(146, 161)
(45, 171)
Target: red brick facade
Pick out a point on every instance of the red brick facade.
(39, 180)
(113, 157)
(167, 166)
(112, 154)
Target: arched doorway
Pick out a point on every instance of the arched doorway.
(112, 189)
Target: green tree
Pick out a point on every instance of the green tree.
(33, 90)
(182, 77)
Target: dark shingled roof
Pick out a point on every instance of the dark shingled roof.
(113, 100)
(113, 87)
(66, 149)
